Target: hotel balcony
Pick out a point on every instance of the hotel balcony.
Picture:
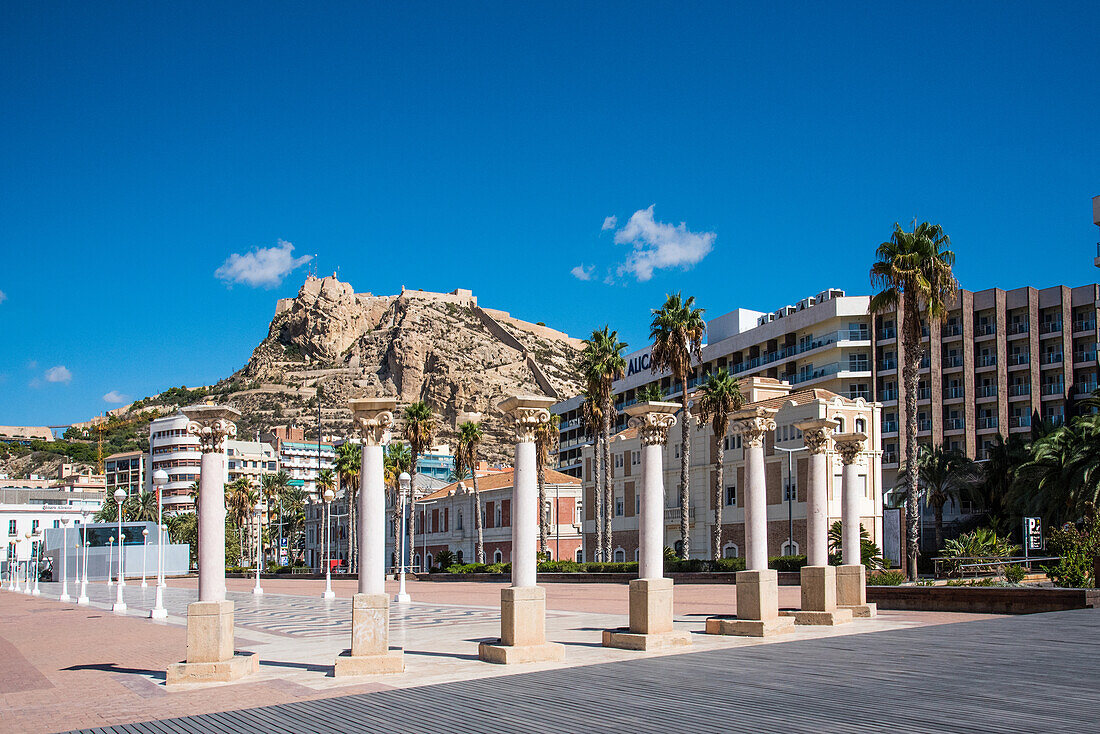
(1053, 388)
(889, 457)
(1015, 391)
(1019, 358)
(952, 362)
(1086, 356)
(1087, 325)
(953, 393)
(987, 391)
(924, 426)
(1017, 329)
(888, 395)
(954, 424)
(1050, 358)
(883, 334)
(853, 394)
(987, 423)
(672, 515)
(1050, 327)
(924, 393)
(985, 330)
(887, 364)
(1084, 389)
(1019, 421)
(950, 331)
(985, 360)
(889, 426)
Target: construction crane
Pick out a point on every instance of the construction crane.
(101, 428)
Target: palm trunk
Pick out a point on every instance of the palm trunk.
(608, 485)
(910, 376)
(352, 519)
(719, 454)
(598, 551)
(937, 508)
(396, 530)
(685, 450)
(479, 522)
(544, 526)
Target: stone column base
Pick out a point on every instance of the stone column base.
(757, 608)
(348, 665)
(222, 671)
(749, 627)
(522, 629)
(821, 619)
(862, 610)
(624, 639)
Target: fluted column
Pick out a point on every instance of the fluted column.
(753, 425)
(212, 424)
(370, 608)
(851, 580)
(523, 605)
(815, 435)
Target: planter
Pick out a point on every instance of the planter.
(984, 600)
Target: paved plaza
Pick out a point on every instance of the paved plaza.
(70, 667)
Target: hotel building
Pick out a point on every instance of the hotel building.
(299, 458)
(250, 459)
(175, 451)
(823, 341)
(125, 470)
(786, 489)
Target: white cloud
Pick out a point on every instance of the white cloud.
(60, 373)
(583, 272)
(609, 223)
(116, 397)
(264, 267)
(657, 245)
(3, 296)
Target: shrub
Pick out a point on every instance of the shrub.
(1077, 547)
(565, 566)
(445, 558)
(1015, 573)
(787, 563)
(980, 543)
(730, 564)
(886, 578)
(467, 568)
(499, 568)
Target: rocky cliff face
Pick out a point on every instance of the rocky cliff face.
(440, 348)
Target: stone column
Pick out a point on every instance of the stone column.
(523, 605)
(650, 594)
(210, 654)
(757, 586)
(370, 607)
(851, 579)
(818, 578)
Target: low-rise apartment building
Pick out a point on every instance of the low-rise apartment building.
(126, 471)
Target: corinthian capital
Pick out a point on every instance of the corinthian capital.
(527, 413)
(850, 446)
(374, 419)
(753, 424)
(815, 434)
(213, 424)
(653, 420)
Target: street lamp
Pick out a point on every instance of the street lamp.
(83, 546)
(404, 481)
(65, 561)
(160, 478)
(256, 590)
(120, 495)
(83, 599)
(790, 495)
(28, 590)
(36, 554)
(110, 560)
(144, 553)
(327, 534)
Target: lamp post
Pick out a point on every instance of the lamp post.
(82, 571)
(83, 599)
(790, 494)
(36, 554)
(327, 535)
(27, 565)
(120, 495)
(404, 481)
(110, 560)
(160, 478)
(256, 590)
(65, 561)
(144, 554)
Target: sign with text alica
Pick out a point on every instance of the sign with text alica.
(1033, 534)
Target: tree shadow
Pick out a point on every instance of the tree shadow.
(312, 667)
(459, 655)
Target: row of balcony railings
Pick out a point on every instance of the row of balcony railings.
(1015, 328)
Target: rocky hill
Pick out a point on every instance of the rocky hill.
(443, 348)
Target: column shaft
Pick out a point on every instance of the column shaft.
(756, 510)
(849, 515)
(524, 516)
(372, 522)
(817, 512)
(212, 527)
(652, 522)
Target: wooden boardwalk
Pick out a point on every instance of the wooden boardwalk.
(1024, 674)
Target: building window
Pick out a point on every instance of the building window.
(730, 550)
(731, 496)
(498, 515)
(788, 549)
(637, 504)
(34, 527)
(635, 458)
(11, 528)
(620, 555)
(498, 557)
(458, 555)
(580, 555)
(861, 425)
(458, 520)
(620, 504)
(619, 460)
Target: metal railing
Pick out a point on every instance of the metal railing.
(951, 330)
(1087, 356)
(1086, 325)
(1019, 421)
(954, 424)
(1050, 327)
(924, 393)
(975, 565)
(952, 361)
(889, 426)
(887, 364)
(950, 393)
(886, 333)
(924, 425)
(1018, 328)
(985, 329)
(1053, 388)
(985, 360)
(1019, 358)
(987, 422)
(889, 395)
(987, 391)
(1050, 358)
(1024, 389)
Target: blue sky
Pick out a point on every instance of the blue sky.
(485, 146)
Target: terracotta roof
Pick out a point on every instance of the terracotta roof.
(499, 480)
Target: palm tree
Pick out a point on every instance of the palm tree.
(677, 332)
(592, 414)
(943, 476)
(107, 513)
(141, 507)
(649, 394)
(913, 274)
(193, 490)
(349, 460)
(602, 364)
(326, 480)
(292, 502)
(1062, 476)
(240, 499)
(419, 432)
(993, 490)
(469, 438)
(546, 438)
(721, 396)
(397, 459)
(271, 486)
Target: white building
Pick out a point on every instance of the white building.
(34, 509)
(250, 459)
(175, 451)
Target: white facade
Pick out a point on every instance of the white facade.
(33, 510)
(250, 459)
(176, 451)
